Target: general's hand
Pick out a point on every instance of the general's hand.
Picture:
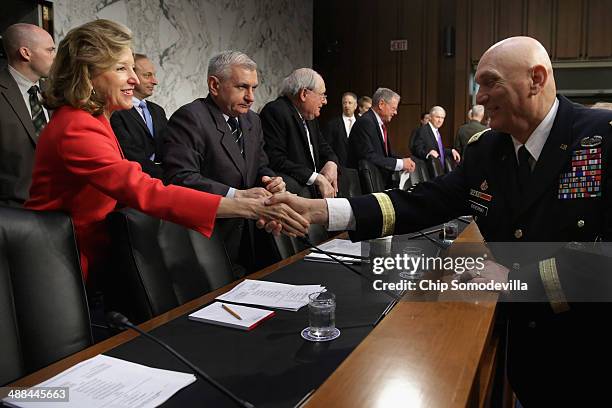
(272, 214)
(255, 192)
(330, 172)
(274, 184)
(313, 210)
(456, 155)
(325, 187)
(492, 271)
(409, 165)
(433, 153)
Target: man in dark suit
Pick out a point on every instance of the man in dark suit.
(294, 142)
(30, 51)
(215, 144)
(541, 175)
(338, 129)
(428, 140)
(468, 130)
(369, 137)
(424, 120)
(141, 130)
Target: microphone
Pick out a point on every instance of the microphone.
(306, 241)
(119, 321)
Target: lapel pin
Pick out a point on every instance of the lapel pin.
(563, 147)
(484, 186)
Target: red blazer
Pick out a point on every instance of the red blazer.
(80, 169)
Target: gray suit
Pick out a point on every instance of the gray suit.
(200, 152)
(17, 143)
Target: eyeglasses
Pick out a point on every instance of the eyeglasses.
(321, 95)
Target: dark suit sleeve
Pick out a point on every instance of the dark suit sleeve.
(185, 154)
(277, 128)
(421, 143)
(133, 146)
(430, 203)
(360, 146)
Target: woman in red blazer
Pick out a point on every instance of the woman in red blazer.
(80, 168)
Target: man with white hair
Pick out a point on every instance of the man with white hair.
(294, 142)
(428, 140)
(215, 144)
(466, 131)
(370, 137)
(30, 51)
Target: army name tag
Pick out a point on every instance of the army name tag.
(479, 208)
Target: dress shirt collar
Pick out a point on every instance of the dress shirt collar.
(136, 102)
(380, 122)
(535, 142)
(348, 117)
(23, 83)
(433, 129)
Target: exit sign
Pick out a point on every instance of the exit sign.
(399, 45)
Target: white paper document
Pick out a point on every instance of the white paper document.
(109, 382)
(338, 247)
(216, 314)
(271, 294)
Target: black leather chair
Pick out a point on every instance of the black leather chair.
(434, 167)
(43, 307)
(160, 265)
(450, 164)
(371, 177)
(419, 175)
(348, 183)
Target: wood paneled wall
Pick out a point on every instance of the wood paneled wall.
(352, 48)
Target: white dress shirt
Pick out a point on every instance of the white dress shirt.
(24, 85)
(349, 121)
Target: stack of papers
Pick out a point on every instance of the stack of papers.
(104, 381)
(271, 294)
(346, 251)
(249, 317)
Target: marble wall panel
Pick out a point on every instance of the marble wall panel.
(181, 35)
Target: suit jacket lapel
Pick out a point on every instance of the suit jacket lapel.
(10, 91)
(139, 119)
(378, 131)
(250, 146)
(507, 171)
(300, 125)
(227, 139)
(553, 158)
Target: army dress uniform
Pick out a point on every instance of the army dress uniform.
(554, 349)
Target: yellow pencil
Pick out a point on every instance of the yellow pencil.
(230, 311)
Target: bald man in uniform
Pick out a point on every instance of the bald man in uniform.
(30, 51)
(540, 174)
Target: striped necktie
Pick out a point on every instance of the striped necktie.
(38, 115)
(237, 132)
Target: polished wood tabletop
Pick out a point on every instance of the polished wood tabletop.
(422, 354)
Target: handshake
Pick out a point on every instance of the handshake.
(288, 213)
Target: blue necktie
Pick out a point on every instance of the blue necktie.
(147, 115)
(440, 147)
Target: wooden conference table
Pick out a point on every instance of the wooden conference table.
(422, 354)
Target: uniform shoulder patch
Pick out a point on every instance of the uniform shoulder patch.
(476, 136)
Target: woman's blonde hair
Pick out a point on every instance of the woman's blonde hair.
(84, 53)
